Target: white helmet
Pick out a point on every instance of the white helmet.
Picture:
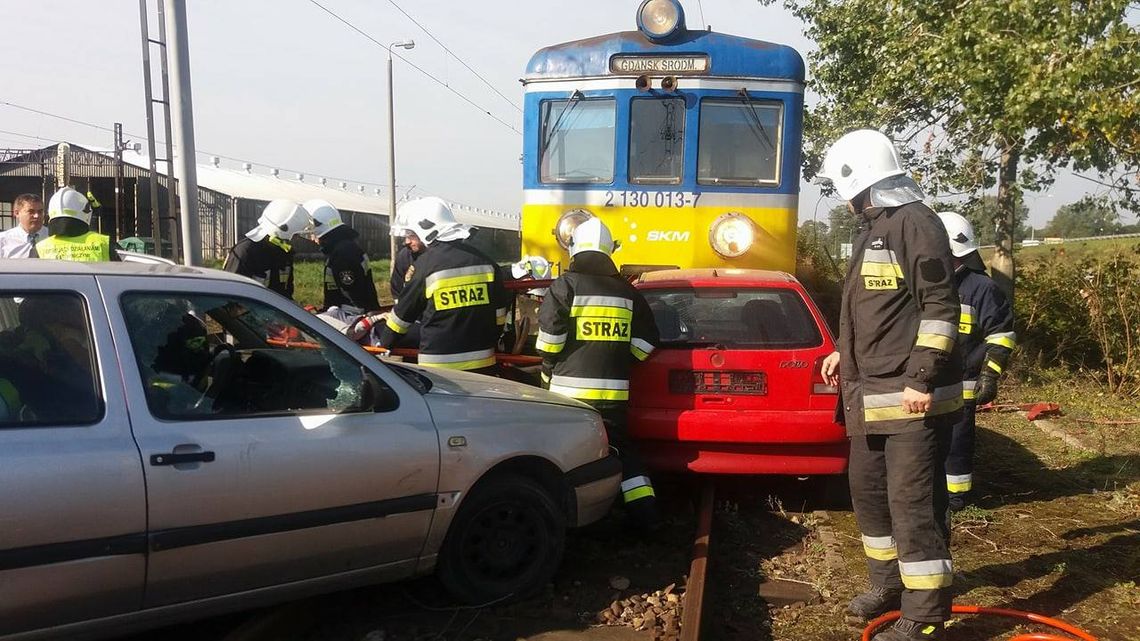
(592, 235)
(858, 160)
(962, 239)
(281, 219)
(69, 203)
(432, 220)
(323, 215)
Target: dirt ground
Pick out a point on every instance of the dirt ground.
(1055, 529)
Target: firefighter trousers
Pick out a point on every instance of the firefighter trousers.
(898, 490)
(637, 491)
(960, 459)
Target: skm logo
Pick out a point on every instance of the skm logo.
(669, 236)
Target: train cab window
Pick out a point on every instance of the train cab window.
(740, 142)
(577, 144)
(656, 140)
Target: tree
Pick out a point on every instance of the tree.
(981, 93)
(814, 229)
(844, 227)
(982, 212)
(1089, 216)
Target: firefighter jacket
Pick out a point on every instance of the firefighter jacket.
(87, 247)
(985, 328)
(348, 274)
(593, 325)
(457, 295)
(402, 270)
(269, 261)
(898, 323)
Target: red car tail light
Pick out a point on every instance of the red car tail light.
(717, 382)
(818, 385)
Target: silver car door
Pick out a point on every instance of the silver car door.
(259, 470)
(73, 507)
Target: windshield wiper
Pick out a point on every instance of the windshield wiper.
(747, 100)
(574, 98)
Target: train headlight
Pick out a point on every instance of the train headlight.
(731, 235)
(660, 19)
(568, 223)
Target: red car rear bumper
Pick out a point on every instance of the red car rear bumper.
(740, 442)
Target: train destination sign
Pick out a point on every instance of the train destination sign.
(659, 64)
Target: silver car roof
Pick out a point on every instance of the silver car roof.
(41, 266)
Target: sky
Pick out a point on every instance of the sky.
(281, 83)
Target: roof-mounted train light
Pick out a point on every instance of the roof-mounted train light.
(732, 234)
(660, 19)
(568, 223)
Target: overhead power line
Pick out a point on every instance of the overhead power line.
(454, 55)
(422, 71)
(201, 152)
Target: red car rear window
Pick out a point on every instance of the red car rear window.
(753, 318)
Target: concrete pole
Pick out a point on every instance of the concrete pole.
(391, 170)
(155, 224)
(182, 110)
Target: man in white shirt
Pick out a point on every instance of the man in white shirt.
(20, 241)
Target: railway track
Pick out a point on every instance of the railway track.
(692, 615)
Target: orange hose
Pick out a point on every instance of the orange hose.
(1032, 617)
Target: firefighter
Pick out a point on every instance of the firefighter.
(69, 231)
(593, 325)
(348, 274)
(901, 384)
(455, 292)
(265, 254)
(985, 341)
(403, 265)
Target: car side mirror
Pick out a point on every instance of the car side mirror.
(375, 396)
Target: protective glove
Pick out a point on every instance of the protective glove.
(362, 328)
(987, 387)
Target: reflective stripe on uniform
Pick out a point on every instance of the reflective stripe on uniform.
(927, 575)
(634, 488)
(880, 548)
(1005, 339)
(550, 343)
(888, 407)
(936, 334)
(641, 348)
(592, 389)
(882, 263)
(463, 360)
(959, 482)
(397, 324)
(966, 320)
(501, 316)
(994, 366)
(457, 277)
(605, 306)
(968, 390)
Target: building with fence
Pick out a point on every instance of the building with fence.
(229, 200)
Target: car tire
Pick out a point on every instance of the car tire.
(506, 541)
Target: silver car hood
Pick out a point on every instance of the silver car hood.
(458, 383)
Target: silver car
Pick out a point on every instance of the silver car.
(177, 442)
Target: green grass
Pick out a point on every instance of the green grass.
(1072, 250)
(308, 286)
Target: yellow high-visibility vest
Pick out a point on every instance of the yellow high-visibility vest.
(89, 247)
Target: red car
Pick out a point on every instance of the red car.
(735, 386)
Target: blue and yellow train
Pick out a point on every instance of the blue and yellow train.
(685, 143)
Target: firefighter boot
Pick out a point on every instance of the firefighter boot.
(907, 630)
(874, 602)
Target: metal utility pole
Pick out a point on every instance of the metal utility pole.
(183, 112)
(171, 199)
(403, 44)
(155, 227)
(118, 227)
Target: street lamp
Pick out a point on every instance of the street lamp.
(403, 44)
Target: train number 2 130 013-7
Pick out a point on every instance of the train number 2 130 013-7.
(651, 199)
